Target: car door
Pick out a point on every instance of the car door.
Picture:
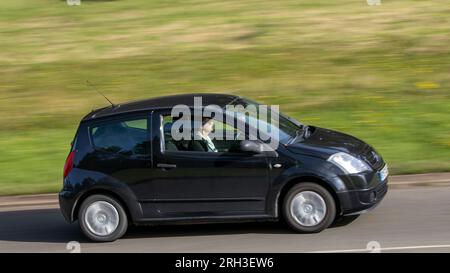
(191, 184)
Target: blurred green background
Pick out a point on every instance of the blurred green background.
(380, 73)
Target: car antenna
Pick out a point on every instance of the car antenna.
(95, 88)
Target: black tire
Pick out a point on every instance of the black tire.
(121, 227)
(330, 211)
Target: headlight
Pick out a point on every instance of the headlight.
(348, 163)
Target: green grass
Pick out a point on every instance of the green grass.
(380, 73)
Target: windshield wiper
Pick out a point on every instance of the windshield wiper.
(300, 133)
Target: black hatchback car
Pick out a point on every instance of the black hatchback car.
(125, 167)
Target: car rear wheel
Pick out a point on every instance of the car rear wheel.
(309, 208)
(102, 218)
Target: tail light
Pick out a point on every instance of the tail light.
(68, 166)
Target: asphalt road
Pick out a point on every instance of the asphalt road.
(410, 219)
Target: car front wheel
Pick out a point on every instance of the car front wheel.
(102, 218)
(309, 208)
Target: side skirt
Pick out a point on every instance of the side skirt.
(205, 219)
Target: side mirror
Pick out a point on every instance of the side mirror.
(255, 147)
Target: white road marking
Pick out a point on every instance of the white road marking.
(382, 248)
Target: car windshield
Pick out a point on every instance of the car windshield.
(288, 128)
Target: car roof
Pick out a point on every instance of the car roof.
(160, 103)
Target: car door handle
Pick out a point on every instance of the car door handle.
(166, 166)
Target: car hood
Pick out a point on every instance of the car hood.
(324, 142)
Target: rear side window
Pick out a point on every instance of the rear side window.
(126, 137)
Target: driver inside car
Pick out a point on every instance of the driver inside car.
(202, 142)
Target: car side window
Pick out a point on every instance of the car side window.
(169, 143)
(125, 137)
(220, 144)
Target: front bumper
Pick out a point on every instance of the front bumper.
(360, 201)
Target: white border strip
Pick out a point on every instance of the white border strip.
(381, 249)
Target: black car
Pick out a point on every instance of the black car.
(125, 167)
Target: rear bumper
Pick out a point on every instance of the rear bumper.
(67, 202)
(360, 201)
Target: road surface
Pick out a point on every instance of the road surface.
(410, 219)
